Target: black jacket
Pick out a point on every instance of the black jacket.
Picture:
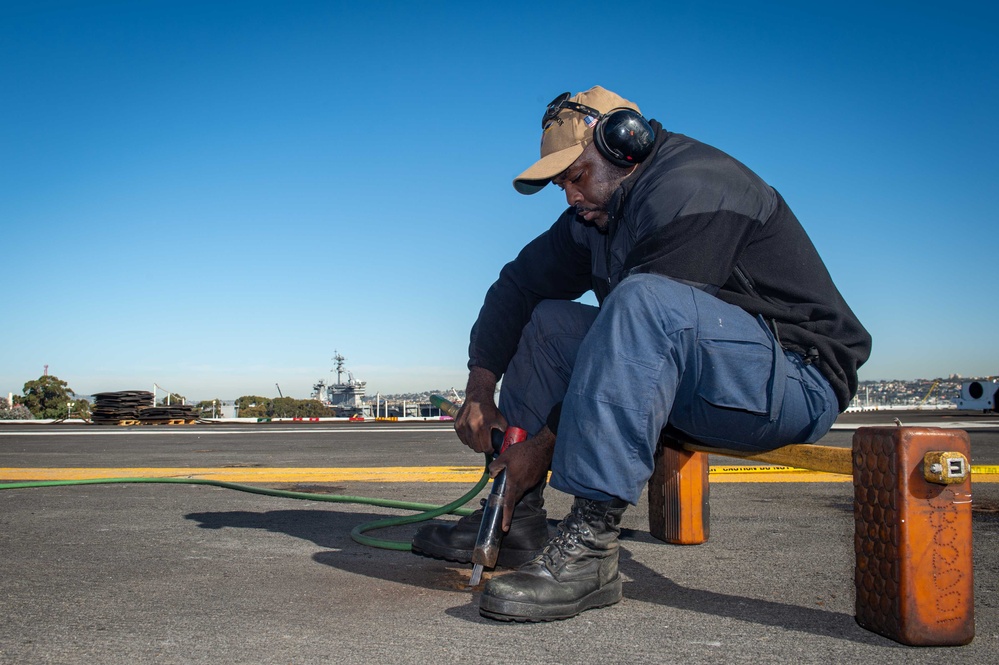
(694, 214)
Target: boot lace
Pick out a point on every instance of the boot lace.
(571, 531)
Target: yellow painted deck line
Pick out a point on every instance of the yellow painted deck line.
(399, 474)
(405, 474)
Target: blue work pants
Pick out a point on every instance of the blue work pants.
(657, 352)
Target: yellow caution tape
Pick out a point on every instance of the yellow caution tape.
(773, 474)
(789, 472)
(736, 468)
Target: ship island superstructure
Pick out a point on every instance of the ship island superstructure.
(346, 398)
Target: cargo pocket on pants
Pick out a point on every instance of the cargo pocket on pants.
(741, 374)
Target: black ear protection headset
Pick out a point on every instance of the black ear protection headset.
(622, 135)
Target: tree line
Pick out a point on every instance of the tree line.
(49, 397)
(255, 406)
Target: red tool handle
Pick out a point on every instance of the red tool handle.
(511, 436)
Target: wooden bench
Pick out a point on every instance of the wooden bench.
(914, 574)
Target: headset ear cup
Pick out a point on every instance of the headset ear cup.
(624, 137)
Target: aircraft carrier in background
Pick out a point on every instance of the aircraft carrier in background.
(345, 398)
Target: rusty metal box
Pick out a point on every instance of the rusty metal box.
(914, 572)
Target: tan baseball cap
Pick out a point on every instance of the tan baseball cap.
(566, 134)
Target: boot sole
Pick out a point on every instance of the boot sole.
(511, 610)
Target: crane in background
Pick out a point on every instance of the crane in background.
(279, 391)
(927, 395)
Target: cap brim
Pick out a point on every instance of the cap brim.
(534, 179)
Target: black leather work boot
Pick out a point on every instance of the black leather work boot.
(576, 571)
(455, 541)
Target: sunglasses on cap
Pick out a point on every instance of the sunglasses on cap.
(562, 103)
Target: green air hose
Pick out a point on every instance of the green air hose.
(428, 511)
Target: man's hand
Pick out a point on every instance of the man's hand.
(526, 465)
(478, 415)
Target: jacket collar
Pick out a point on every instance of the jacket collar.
(615, 206)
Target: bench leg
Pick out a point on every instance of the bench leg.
(678, 494)
(914, 572)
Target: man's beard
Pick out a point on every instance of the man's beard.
(602, 196)
(600, 224)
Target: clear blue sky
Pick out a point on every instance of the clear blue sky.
(215, 196)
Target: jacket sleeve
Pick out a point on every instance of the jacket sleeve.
(555, 265)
